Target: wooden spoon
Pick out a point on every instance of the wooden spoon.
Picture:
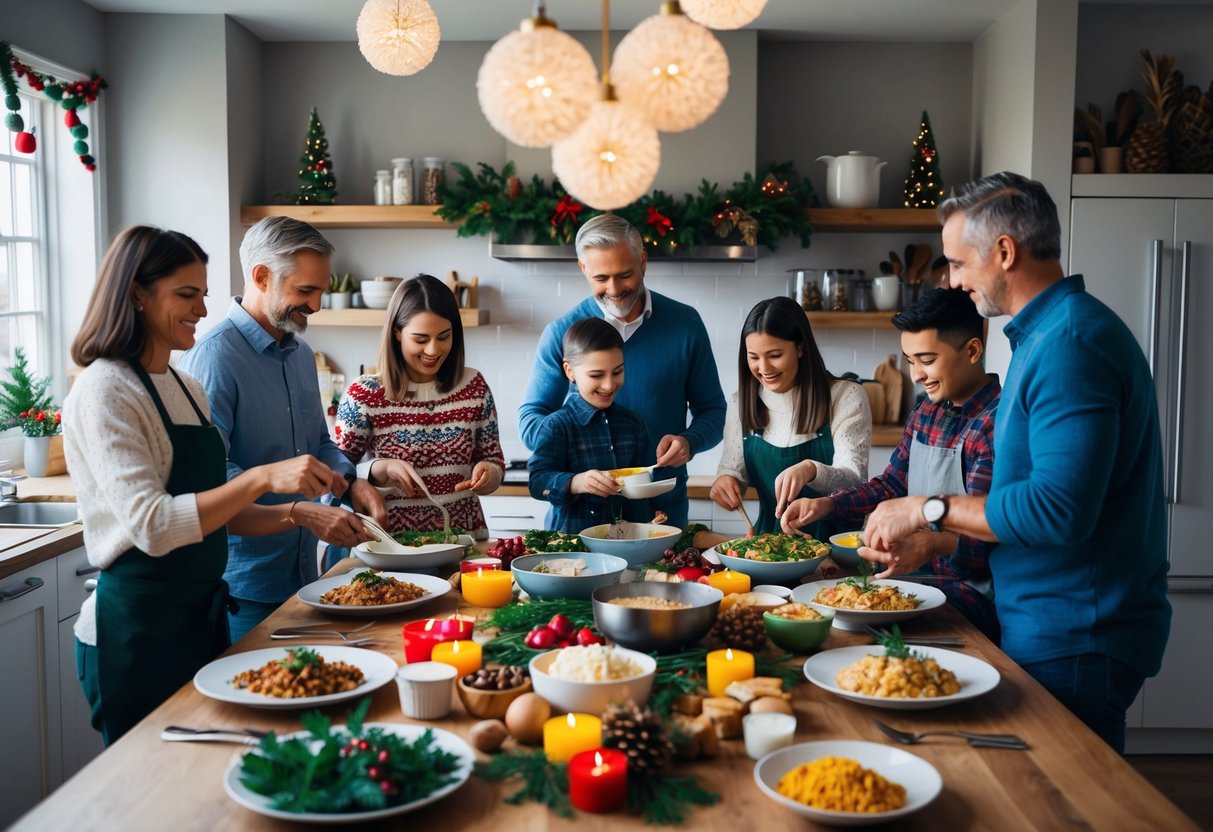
(922, 256)
(896, 261)
(746, 517)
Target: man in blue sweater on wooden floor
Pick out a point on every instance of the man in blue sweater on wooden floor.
(667, 358)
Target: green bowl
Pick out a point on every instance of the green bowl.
(795, 635)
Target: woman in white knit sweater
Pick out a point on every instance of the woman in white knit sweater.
(150, 476)
(790, 425)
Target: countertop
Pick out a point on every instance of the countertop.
(28, 547)
(1068, 779)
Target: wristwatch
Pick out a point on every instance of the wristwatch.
(934, 510)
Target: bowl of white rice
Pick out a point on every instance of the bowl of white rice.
(586, 679)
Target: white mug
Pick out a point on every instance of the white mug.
(886, 292)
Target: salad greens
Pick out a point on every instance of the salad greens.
(427, 538)
(776, 547)
(544, 540)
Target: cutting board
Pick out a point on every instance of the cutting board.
(10, 538)
(891, 381)
(876, 401)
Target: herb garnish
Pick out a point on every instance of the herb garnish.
(370, 578)
(299, 658)
(863, 584)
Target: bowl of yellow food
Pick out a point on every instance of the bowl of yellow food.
(844, 548)
(797, 628)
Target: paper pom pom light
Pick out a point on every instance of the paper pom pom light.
(398, 37)
(611, 159)
(723, 14)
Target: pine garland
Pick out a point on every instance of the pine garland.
(760, 210)
(72, 96)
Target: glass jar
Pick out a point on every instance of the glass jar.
(402, 181)
(805, 288)
(861, 293)
(383, 187)
(836, 289)
(432, 180)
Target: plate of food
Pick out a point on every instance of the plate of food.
(893, 676)
(773, 558)
(859, 602)
(836, 782)
(421, 765)
(307, 676)
(415, 550)
(365, 592)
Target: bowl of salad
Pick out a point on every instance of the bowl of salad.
(773, 558)
(412, 550)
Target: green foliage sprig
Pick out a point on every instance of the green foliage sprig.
(23, 392)
(666, 800)
(516, 619)
(761, 209)
(542, 781)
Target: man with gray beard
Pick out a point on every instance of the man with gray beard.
(260, 379)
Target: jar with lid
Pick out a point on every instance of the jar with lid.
(431, 180)
(383, 187)
(861, 293)
(835, 288)
(402, 181)
(804, 287)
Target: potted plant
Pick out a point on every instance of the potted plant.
(40, 428)
(1117, 132)
(1088, 137)
(21, 392)
(341, 291)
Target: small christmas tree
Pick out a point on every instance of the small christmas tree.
(23, 392)
(319, 185)
(924, 184)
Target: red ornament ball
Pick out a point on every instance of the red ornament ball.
(25, 143)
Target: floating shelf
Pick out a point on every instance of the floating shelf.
(376, 317)
(851, 320)
(887, 436)
(698, 254)
(350, 216)
(874, 219)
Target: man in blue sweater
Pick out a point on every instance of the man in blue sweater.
(667, 356)
(1076, 503)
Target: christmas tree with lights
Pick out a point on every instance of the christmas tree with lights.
(924, 184)
(318, 184)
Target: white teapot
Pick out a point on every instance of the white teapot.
(853, 181)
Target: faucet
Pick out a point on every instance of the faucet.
(8, 481)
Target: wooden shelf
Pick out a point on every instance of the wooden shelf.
(350, 216)
(376, 317)
(874, 219)
(887, 436)
(851, 320)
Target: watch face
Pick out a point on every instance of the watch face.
(933, 509)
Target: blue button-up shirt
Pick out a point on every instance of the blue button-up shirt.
(265, 401)
(580, 437)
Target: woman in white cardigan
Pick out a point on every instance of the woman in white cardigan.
(151, 483)
(790, 425)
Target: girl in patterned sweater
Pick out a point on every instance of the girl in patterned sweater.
(424, 417)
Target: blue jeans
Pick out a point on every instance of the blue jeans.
(251, 614)
(1097, 689)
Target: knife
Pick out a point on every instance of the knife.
(242, 736)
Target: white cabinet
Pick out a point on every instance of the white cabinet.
(30, 766)
(512, 516)
(81, 743)
(1178, 697)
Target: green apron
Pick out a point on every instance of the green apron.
(160, 619)
(764, 462)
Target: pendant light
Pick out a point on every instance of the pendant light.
(398, 37)
(671, 69)
(611, 159)
(536, 85)
(723, 14)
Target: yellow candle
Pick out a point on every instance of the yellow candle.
(464, 656)
(724, 668)
(487, 587)
(564, 736)
(729, 581)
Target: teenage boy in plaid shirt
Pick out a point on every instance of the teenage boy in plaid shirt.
(947, 448)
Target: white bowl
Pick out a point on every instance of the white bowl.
(397, 558)
(920, 779)
(378, 294)
(856, 619)
(592, 697)
(638, 542)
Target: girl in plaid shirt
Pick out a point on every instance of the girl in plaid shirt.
(588, 436)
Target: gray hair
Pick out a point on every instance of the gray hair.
(608, 231)
(1010, 204)
(274, 241)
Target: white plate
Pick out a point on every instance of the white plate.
(444, 740)
(214, 680)
(920, 779)
(857, 619)
(406, 558)
(434, 587)
(975, 676)
(652, 489)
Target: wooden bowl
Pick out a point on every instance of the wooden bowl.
(489, 704)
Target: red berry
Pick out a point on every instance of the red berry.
(540, 638)
(562, 624)
(383, 756)
(690, 573)
(363, 745)
(387, 788)
(373, 772)
(586, 636)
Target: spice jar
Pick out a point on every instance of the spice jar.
(861, 293)
(402, 181)
(383, 187)
(805, 288)
(432, 180)
(835, 289)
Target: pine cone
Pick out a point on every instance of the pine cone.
(639, 733)
(742, 627)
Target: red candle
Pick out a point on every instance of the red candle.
(598, 780)
(421, 636)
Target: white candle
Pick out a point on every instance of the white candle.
(765, 733)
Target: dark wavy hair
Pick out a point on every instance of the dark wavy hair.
(423, 293)
(139, 256)
(783, 318)
(950, 311)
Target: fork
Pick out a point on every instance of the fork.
(975, 740)
(305, 632)
(446, 515)
(245, 736)
(925, 641)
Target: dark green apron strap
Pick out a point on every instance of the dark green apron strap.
(764, 462)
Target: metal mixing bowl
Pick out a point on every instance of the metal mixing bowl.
(662, 630)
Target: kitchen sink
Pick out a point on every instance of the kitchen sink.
(38, 514)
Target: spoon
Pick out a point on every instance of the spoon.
(746, 517)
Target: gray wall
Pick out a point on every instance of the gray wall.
(245, 152)
(68, 32)
(817, 98)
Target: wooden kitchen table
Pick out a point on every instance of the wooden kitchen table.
(1068, 780)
